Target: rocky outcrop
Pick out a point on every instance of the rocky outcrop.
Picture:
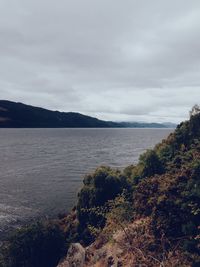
(75, 256)
(126, 247)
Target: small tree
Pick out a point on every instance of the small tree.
(41, 244)
(195, 110)
(151, 164)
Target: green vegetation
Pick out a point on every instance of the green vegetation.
(162, 190)
(104, 185)
(37, 245)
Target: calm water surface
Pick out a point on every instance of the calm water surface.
(41, 170)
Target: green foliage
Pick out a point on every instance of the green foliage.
(165, 151)
(149, 165)
(37, 245)
(120, 210)
(173, 202)
(117, 213)
(165, 186)
(172, 199)
(104, 185)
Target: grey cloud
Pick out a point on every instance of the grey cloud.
(130, 60)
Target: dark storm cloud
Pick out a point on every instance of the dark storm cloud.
(120, 60)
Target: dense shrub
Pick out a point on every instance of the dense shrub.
(37, 245)
(151, 164)
(173, 203)
(104, 185)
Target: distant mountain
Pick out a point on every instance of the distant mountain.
(170, 125)
(146, 125)
(19, 115)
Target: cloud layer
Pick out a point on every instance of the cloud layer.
(117, 60)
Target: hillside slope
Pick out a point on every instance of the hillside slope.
(153, 215)
(18, 115)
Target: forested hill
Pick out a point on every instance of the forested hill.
(18, 115)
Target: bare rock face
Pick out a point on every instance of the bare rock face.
(63, 263)
(75, 256)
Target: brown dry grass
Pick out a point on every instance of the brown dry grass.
(135, 246)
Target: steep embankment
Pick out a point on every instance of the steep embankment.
(145, 215)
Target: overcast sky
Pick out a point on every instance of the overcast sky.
(113, 59)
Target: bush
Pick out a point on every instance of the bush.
(151, 164)
(37, 245)
(104, 185)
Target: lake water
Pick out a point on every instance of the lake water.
(41, 170)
